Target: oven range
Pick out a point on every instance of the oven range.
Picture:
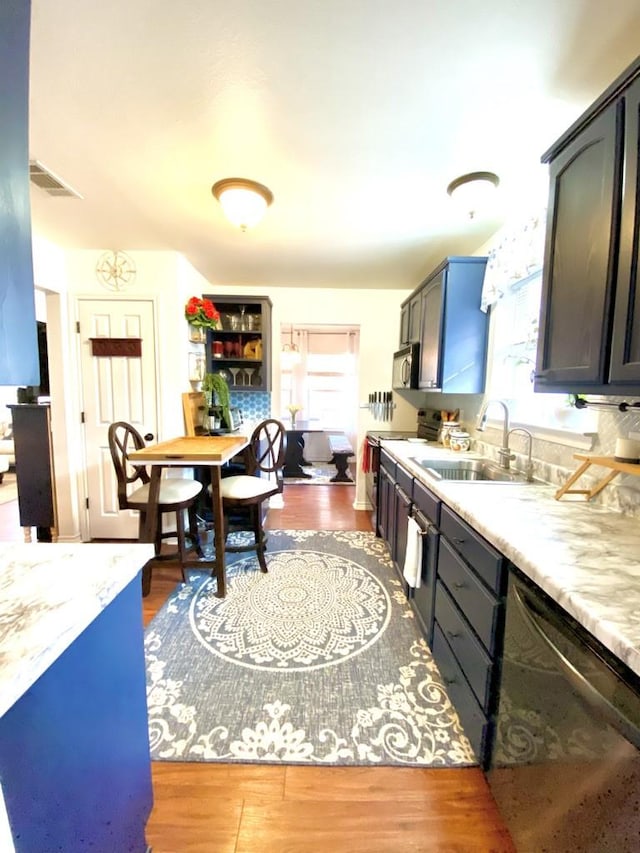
(372, 459)
(428, 427)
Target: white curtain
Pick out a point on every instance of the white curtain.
(517, 254)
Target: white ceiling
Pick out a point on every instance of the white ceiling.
(355, 113)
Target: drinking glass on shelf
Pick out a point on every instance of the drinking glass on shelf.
(248, 372)
(228, 349)
(234, 372)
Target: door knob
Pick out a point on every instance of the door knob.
(149, 436)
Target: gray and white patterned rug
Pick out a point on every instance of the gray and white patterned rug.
(317, 662)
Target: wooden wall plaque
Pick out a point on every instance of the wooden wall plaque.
(124, 347)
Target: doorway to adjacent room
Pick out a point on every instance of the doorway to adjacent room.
(319, 383)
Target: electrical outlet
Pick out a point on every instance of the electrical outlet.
(634, 435)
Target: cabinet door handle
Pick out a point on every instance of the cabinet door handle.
(451, 679)
(459, 584)
(458, 541)
(453, 634)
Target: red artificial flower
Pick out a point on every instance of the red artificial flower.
(202, 312)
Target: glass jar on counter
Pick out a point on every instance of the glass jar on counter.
(459, 440)
(446, 427)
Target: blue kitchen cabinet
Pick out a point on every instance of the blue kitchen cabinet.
(589, 336)
(469, 626)
(454, 331)
(18, 331)
(74, 748)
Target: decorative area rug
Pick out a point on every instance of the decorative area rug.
(321, 474)
(317, 662)
(8, 488)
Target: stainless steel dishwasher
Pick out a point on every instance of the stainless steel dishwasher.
(565, 762)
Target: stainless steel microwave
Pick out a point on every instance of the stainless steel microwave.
(406, 367)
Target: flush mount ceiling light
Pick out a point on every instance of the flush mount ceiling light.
(244, 202)
(474, 192)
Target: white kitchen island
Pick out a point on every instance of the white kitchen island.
(74, 752)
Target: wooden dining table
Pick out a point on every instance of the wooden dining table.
(188, 452)
(294, 451)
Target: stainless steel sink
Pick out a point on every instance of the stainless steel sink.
(469, 470)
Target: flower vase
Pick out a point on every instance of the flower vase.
(293, 420)
(197, 334)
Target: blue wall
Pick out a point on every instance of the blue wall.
(18, 331)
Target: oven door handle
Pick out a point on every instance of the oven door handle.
(583, 687)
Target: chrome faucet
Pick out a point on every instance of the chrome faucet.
(529, 466)
(504, 453)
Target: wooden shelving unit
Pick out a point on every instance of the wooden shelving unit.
(243, 341)
(609, 462)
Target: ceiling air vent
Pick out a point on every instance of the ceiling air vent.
(47, 181)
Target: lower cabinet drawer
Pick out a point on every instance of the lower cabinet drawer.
(486, 561)
(474, 722)
(426, 502)
(388, 463)
(405, 480)
(481, 609)
(470, 654)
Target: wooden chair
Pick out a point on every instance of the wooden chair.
(176, 494)
(264, 456)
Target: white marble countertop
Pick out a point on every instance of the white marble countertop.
(49, 593)
(585, 557)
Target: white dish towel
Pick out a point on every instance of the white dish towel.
(412, 571)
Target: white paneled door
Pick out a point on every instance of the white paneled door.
(114, 388)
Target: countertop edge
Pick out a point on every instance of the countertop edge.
(566, 547)
(54, 589)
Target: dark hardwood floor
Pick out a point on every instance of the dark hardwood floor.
(244, 808)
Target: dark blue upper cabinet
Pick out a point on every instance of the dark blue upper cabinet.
(589, 320)
(18, 331)
(454, 330)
